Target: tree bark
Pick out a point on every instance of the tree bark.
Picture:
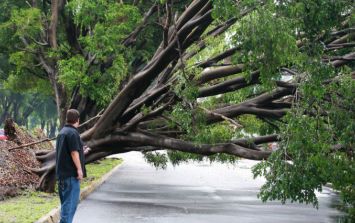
(60, 98)
(52, 33)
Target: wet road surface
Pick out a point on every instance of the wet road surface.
(192, 193)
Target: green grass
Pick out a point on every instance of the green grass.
(31, 205)
(95, 171)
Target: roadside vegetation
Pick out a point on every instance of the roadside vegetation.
(31, 205)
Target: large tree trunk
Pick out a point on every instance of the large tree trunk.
(61, 99)
(52, 128)
(43, 124)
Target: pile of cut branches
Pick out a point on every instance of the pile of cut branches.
(15, 165)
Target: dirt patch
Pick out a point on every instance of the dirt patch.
(15, 165)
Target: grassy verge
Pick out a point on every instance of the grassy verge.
(31, 205)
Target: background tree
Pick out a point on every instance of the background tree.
(227, 78)
(79, 48)
(29, 109)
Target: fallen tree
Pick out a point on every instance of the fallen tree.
(263, 65)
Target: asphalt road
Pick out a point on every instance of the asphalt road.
(192, 193)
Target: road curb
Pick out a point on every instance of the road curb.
(54, 215)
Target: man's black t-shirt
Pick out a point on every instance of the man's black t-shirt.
(68, 140)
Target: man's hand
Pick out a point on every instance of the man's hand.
(86, 150)
(80, 174)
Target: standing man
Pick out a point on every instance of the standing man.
(70, 166)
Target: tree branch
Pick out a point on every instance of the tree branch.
(183, 146)
(215, 73)
(132, 37)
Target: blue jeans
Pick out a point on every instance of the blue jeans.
(69, 191)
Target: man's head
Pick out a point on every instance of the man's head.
(73, 117)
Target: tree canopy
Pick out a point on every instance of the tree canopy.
(219, 79)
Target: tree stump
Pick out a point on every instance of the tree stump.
(10, 130)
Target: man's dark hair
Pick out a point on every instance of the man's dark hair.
(72, 116)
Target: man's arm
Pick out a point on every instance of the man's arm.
(76, 160)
